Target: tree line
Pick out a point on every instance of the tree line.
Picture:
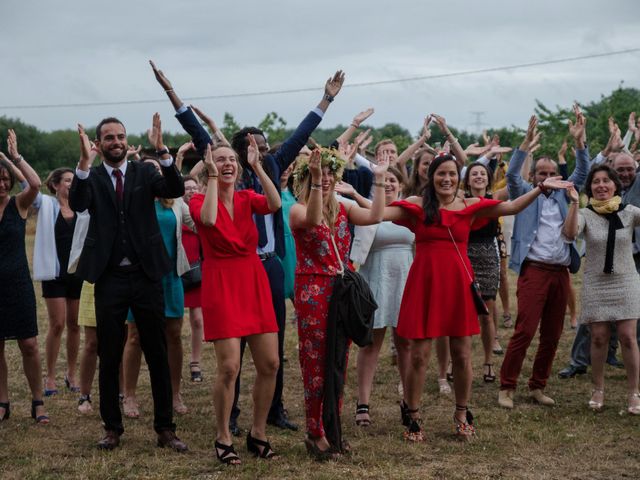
(46, 151)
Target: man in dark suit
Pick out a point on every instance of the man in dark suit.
(270, 227)
(124, 256)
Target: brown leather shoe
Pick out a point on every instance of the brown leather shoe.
(167, 438)
(110, 441)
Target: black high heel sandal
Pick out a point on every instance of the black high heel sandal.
(404, 414)
(226, 454)
(490, 376)
(317, 454)
(196, 373)
(7, 411)
(253, 445)
(414, 431)
(464, 430)
(41, 419)
(450, 372)
(362, 409)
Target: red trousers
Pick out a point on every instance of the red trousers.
(542, 300)
(312, 296)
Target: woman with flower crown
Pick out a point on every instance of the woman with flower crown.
(319, 223)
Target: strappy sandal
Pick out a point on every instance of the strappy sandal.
(260, 448)
(130, 407)
(464, 430)
(7, 411)
(450, 372)
(507, 322)
(404, 414)
(317, 454)
(71, 388)
(414, 431)
(226, 454)
(490, 376)
(634, 409)
(362, 409)
(40, 419)
(497, 350)
(594, 404)
(84, 404)
(196, 373)
(49, 392)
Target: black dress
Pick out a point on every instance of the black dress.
(17, 298)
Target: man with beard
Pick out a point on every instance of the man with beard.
(125, 257)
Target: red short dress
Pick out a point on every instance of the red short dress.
(437, 300)
(236, 297)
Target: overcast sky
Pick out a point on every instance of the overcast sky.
(73, 51)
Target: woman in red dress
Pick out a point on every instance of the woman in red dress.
(319, 224)
(437, 301)
(236, 298)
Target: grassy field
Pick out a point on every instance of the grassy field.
(567, 441)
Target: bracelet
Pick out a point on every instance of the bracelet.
(574, 203)
(328, 98)
(354, 125)
(17, 160)
(317, 185)
(541, 186)
(378, 184)
(212, 176)
(169, 90)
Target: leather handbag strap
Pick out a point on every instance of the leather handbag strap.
(460, 255)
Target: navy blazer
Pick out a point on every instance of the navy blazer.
(142, 185)
(274, 164)
(526, 222)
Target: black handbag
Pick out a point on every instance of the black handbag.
(193, 277)
(481, 307)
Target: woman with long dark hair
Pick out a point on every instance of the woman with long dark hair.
(438, 300)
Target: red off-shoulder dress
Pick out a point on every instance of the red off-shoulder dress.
(437, 300)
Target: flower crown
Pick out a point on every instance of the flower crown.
(329, 157)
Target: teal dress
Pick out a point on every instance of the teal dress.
(289, 260)
(171, 283)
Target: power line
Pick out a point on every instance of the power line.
(351, 85)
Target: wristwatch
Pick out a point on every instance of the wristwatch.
(329, 98)
(165, 150)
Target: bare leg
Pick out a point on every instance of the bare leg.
(32, 369)
(131, 360)
(403, 347)
(600, 332)
(627, 331)
(264, 350)
(88, 360)
(4, 379)
(488, 332)
(56, 307)
(228, 365)
(420, 350)
(195, 319)
(462, 372)
(367, 363)
(442, 352)
(73, 339)
(174, 351)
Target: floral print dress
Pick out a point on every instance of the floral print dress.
(316, 271)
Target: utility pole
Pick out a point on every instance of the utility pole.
(478, 124)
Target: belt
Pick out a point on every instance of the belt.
(552, 267)
(266, 256)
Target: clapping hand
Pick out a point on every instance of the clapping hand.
(334, 84)
(12, 145)
(209, 164)
(155, 133)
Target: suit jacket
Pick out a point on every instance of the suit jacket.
(526, 222)
(274, 164)
(142, 184)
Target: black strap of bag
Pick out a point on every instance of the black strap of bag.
(481, 307)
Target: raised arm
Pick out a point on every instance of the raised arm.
(516, 185)
(218, 135)
(368, 216)
(253, 158)
(456, 149)
(310, 215)
(80, 193)
(414, 147)
(169, 184)
(355, 124)
(209, 212)
(25, 198)
(579, 133)
(344, 188)
(570, 227)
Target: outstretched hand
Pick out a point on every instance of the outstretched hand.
(380, 168)
(12, 145)
(578, 129)
(88, 150)
(160, 77)
(361, 117)
(572, 193)
(344, 188)
(209, 164)
(315, 166)
(556, 183)
(532, 136)
(334, 84)
(253, 153)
